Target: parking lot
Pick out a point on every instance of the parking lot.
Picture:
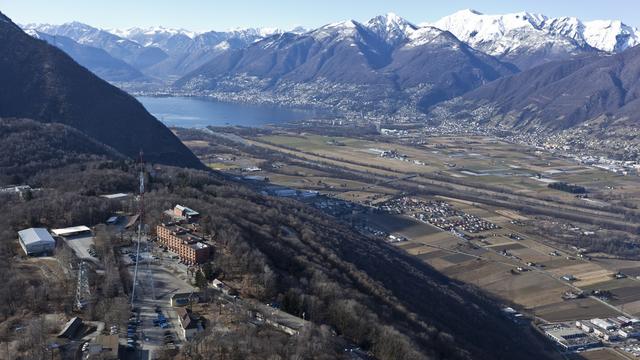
(155, 323)
(82, 246)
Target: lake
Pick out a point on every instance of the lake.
(194, 112)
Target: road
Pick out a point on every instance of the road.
(431, 184)
(158, 280)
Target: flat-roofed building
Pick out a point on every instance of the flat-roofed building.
(630, 331)
(183, 299)
(105, 347)
(72, 231)
(185, 213)
(569, 338)
(603, 323)
(117, 196)
(36, 241)
(185, 241)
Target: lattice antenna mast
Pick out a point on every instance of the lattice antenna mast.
(82, 288)
(140, 227)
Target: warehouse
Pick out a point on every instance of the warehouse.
(569, 339)
(36, 241)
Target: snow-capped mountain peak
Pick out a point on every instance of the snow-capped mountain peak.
(345, 28)
(423, 36)
(498, 34)
(610, 35)
(392, 28)
(152, 31)
(528, 39)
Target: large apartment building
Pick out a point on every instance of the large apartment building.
(185, 240)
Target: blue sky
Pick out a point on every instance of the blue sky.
(219, 15)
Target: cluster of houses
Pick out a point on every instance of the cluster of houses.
(439, 214)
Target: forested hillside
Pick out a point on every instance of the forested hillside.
(43, 83)
(28, 147)
(280, 250)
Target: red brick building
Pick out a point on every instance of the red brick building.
(184, 241)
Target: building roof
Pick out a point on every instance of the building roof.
(186, 210)
(565, 332)
(35, 235)
(108, 341)
(199, 245)
(193, 294)
(189, 235)
(70, 230)
(112, 219)
(186, 321)
(70, 327)
(115, 196)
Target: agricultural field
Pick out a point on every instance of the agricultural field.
(522, 260)
(600, 354)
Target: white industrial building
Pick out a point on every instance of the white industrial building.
(603, 323)
(631, 331)
(72, 231)
(36, 241)
(569, 339)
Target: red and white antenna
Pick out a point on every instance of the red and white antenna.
(140, 227)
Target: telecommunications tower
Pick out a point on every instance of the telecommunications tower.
(141, 235)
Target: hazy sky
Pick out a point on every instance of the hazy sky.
(220, 15)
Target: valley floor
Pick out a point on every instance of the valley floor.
(477, 209)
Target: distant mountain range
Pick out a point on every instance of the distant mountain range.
(42, 83)
(160, 53)
(527, 39)
(524, 39)
(388, 68)
(100, 62)
(381, 65)
(600, 92)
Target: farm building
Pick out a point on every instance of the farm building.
(36, 241)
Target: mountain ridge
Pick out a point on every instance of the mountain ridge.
(43, 83)
(354, 57)
(169, 53)
(528, 39)
(591, 103)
